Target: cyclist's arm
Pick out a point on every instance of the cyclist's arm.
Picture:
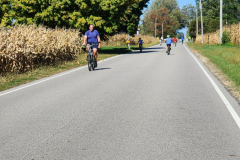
(85, 40)
(99, 41)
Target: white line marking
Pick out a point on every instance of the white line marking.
(52, 77)
(224, 99)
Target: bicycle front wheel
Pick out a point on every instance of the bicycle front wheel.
(90, 63)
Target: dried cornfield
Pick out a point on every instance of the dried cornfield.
(214, 38)
(119, 39)
(24, 48)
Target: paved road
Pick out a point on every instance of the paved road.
(135, 106)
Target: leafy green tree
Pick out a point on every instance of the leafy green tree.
(231, 10)
(192, 27)
(213, 25)
(189, 13)
(108, 16)
(180, 35)
(130, 21)
(211, 10)
(4, 12)
(1, 13)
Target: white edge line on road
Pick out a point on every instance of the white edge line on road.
(224, 99)
(52, 77)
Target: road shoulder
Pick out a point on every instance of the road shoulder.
(224, 79)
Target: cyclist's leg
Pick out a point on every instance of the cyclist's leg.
(95, 53)
(167, 48)
(87, 51)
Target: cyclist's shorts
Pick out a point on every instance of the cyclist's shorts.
(93, 46)
(168, 45)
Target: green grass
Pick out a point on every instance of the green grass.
(227, 58)
(13, 79)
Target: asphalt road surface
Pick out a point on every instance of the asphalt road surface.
(134, 106)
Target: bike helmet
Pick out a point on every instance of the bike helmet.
(168, 36)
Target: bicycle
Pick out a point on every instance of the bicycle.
(175, 44)
(169, 48)
(140, 48)
(90, 58)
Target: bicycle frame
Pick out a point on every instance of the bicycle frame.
(91, 58)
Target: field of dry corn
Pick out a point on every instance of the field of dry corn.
(213, 38)
(24, 48)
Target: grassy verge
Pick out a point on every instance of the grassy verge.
(13, 79)
(226, 58)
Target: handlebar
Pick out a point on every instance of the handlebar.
(93, 44)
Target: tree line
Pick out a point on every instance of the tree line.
(211, 15)
(108, 16)
(168, 13)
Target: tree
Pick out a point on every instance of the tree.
(1, 13)
(213, 25)
(4, 15)
(162, 16)
(131, 19)
(189, 13)
(108, 16)
(230, 11)
(192, 27)
(211, 10)
(180, 35)
(173, 14)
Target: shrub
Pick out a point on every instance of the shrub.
(226, 38)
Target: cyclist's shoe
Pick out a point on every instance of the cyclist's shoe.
(87, 58)
(95, 64)
(166, 51)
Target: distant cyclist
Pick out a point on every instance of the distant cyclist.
(175, 41)
(182, 39)
(168, 42)
(140, 42)
(92, 36)
(160, 41)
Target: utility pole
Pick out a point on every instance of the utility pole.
(221, 23)
(201, 20)
(162, 31)
(128, 43)
(196, 21)
(155, 26)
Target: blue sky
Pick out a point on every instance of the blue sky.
(180, 3)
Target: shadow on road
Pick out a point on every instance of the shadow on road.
(137, 52)
(157, 48)
(99, 69)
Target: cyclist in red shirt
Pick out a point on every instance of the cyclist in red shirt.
(175, 41)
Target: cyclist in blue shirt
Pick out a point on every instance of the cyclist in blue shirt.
(140, 42)
(92, 36)
(182, 39)
(168, 42)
